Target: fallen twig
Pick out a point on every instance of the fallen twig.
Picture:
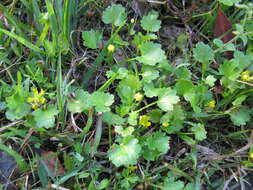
(14, 123)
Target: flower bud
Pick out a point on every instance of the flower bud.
(111, 48)
(138, 97)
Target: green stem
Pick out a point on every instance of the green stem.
(108, 83)
(98, 134)
(232, 40)
(147, 106)
(98, 61)
(110, 135)
(178, 172)
(88, 124)
(59, 91)
(127, 60)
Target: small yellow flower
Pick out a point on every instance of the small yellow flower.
(37, 99)
(132, 168)
(42, 92)
(144, 121)
(138, 97)
(30, 99)
(165, 124)
(34, 90)
(111, 48)
(41, 100)
(35, 106)
(211, 104)
(245, 76)
(132, 20)
(251, 155)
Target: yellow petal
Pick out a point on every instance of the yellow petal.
(138, 97)
(111, 48)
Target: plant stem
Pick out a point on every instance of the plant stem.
(147, 106)
(108, 83)
(88, 124)
(98, 133)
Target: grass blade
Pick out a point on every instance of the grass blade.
(18, 158)
(22, 40)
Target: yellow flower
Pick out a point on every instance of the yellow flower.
(132, 168)
(138, 97)
(35, 91)
(245, 76)
(251, 155)
(42, 100)
(37, 99)
(42, 92)
(111, 48)
(30, 99)
(211, 104)
(35, 106)
(165, 124)
(132, 20)
(144, 121)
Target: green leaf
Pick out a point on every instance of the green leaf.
(203, 53)
(102, 101)
(199, 132)
(187, 139)
(45, 118)
(229, 2)
(113, 119)
(126, 94)
(238, 101)
(183, 73)
(127, 89)
(151, 53)
(173, 185)
(210, 80)
(155, 115)
(224, 47)
(167, 99)
(231, 69)
(184, 86)
(132, 119)
(150, 90)
(81, 102)
(115, 14)
(126, 153)
(155, 145)
(118, 41)
(123, 110)
(174, 118)
(196, 95)
(103, 184)
(240, 116)
(133, 82)
(242, 59)
(91, 38)
(149, 74)
(17, 107)
(140, 38)
(150, 22)
(190, 186)
(124, 132)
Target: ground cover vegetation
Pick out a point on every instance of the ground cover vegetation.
(126, 94)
